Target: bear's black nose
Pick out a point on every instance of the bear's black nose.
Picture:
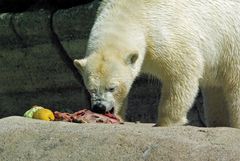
(99, 108)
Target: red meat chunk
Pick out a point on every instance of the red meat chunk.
(87, 116)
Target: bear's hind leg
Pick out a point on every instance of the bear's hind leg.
(231, 86)
(215, 107)
(232, 94)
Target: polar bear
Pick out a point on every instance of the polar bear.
(186, 44)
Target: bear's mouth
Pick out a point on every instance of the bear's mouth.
(111, 111)
(104, 112)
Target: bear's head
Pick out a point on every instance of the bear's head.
(108, 76)
(114, 56)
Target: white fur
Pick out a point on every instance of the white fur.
(185, 43)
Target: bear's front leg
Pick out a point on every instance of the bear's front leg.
(177, 97)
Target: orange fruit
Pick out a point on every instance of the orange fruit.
(44, 114)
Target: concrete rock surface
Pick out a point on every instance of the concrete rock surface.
(26, 139)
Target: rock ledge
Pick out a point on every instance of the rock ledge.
(27, 139)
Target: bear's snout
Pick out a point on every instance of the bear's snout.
(102, 103)
(99, 108)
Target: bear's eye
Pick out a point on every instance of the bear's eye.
(93, 91)
(111, 89)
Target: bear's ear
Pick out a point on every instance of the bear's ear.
(80, 64)
(132, 58)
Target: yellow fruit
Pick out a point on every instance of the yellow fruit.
(44, 114)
